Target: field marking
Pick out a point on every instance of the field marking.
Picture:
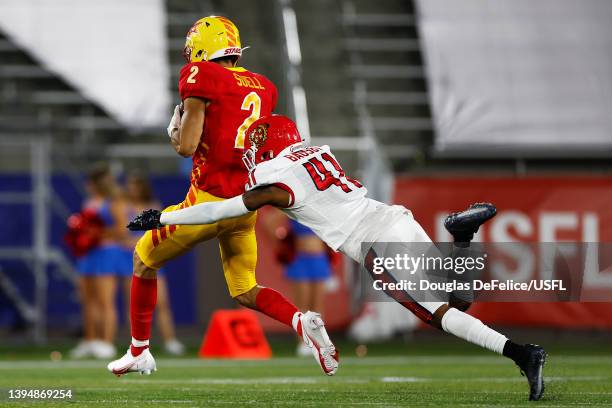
(125, 401)
(490, 379)
(402, 379)
(247, 381)
(346, 380)
(292, 361)
(216, 401)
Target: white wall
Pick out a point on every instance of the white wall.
(113, 51)
(519, 74)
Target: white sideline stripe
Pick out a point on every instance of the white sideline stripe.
(347, 380)
(357, 403)
(277, 361)
(247, 381)
(125, 401)
(292, 361)
(488, 379)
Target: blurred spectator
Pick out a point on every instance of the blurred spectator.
(98, 267)
(140, 197)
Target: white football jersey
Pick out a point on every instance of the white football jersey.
(323, 198)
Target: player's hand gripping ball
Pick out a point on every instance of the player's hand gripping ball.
(175, 123)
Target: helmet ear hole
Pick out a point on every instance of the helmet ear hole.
(199, 54)
(267, 155)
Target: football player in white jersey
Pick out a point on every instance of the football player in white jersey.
(308, 184)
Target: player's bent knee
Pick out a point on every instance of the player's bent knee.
(141, 270)
(436, 321)
(248, 299)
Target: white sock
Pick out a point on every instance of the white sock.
(295, 320)
(472, 330)
(139, 343)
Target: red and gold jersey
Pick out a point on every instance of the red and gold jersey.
(235, 99)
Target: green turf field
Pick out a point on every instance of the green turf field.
(457, 377)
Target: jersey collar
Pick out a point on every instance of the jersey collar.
(292, 148)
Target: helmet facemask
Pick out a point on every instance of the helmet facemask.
(256, 140)
(267, 138)
(248, 158)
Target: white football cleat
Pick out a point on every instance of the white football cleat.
(143, 364)
(315, 336)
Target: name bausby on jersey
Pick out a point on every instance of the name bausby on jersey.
(322, 197)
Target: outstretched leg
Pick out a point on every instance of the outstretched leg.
(153, 250)
(308, 325)
(530, 358)
(462, 226)
(238, 246)
(143, 297)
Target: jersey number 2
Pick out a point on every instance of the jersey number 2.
(252, 103)
(323, 178)
(193, 72)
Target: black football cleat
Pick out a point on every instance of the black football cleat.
(146, 220)
(532, 368)
(463, 225)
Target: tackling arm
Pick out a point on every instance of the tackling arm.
(205, 213)
(209, 213)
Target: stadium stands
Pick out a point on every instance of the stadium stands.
(34, 99)
(386, 66)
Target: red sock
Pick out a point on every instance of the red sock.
(273, 304)
(142, 304)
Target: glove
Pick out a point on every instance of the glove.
(146, 220)
(175, 122)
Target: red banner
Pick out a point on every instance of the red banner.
(535, 209)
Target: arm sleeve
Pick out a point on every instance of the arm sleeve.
(206, 213)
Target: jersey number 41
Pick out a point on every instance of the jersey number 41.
(323, 178)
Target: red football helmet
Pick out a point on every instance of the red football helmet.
(267, 137)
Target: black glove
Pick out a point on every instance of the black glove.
(146, 220)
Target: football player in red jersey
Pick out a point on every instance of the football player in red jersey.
(219, 102)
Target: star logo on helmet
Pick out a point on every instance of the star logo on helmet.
(259, 135)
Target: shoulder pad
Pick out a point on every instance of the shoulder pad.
(200, 79)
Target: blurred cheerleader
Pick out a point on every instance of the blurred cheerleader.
(98, 266)
(140, 197)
